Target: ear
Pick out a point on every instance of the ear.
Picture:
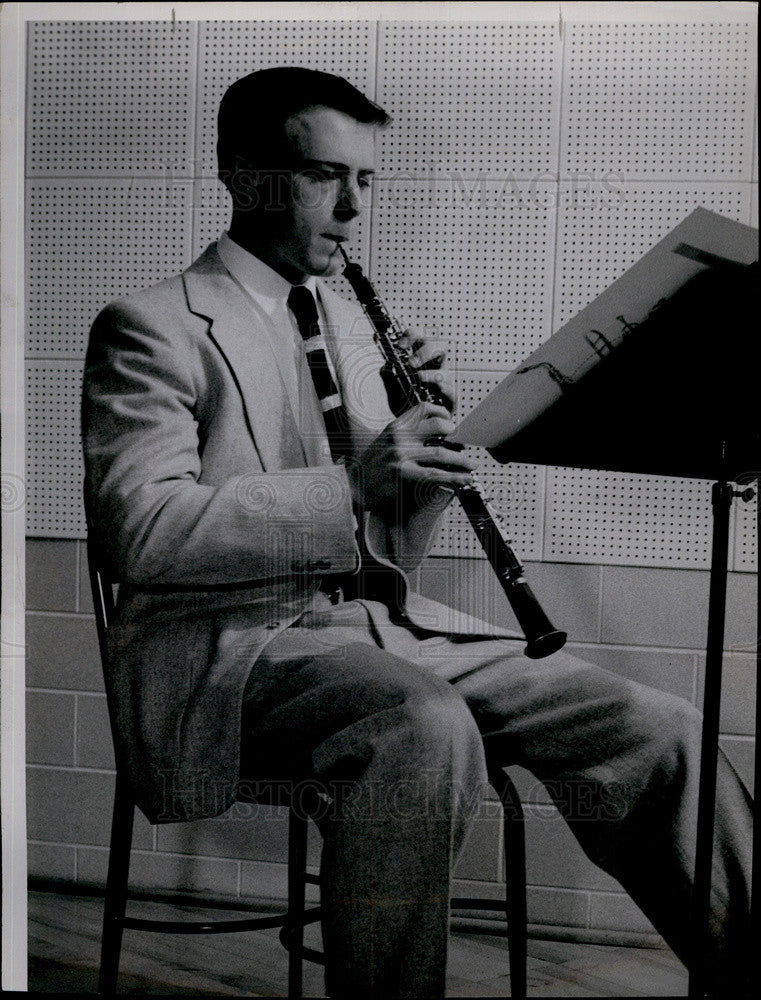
(241, 183)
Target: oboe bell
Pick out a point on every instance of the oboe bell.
(405, 389)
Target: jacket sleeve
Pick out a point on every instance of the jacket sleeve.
(156, 517)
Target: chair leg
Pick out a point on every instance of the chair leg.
(515, 875)
(297, 862)
(116, 888)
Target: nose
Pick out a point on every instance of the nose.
(349, 203)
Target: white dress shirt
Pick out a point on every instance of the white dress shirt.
(269, 292)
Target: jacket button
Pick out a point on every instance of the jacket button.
(318, 565)
(311, 566)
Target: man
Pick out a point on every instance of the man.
(228, 513)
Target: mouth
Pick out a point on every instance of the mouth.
(334, 238)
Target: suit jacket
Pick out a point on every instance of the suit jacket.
(208, 509)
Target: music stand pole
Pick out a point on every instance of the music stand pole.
(721, 497)
(755, 922)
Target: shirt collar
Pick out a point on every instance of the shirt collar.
(262, 283)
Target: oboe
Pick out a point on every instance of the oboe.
(408, 389)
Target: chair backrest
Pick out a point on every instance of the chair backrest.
(102, 594)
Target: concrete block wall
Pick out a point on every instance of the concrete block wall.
(646, 624)
(113, 191)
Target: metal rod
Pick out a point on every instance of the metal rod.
(755, 920)
(721, 497)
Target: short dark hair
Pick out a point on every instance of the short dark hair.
(266, 99)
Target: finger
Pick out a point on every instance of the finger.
(429, 354)
(436, 455)
(436, 427)
(444, 379)
(424, 412)
(415, 472)
(442, 385)
(410, 340)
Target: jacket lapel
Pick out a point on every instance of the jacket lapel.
(213, 294)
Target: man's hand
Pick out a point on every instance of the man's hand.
(402, 471)
(428, 359)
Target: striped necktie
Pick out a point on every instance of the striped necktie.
(304, 308)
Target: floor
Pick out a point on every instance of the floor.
(64, 934)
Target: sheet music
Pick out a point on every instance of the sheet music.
(701, 240)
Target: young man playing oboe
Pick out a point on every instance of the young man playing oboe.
(238, 444)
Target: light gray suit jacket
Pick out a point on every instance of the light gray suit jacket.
(203, 497)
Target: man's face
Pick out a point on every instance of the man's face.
(329, 190)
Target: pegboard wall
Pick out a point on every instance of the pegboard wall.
(526, 167)
(659, 101)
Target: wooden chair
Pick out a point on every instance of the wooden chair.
(296, 915)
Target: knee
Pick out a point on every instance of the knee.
(385, 709)
(667, 727)
(441, 728)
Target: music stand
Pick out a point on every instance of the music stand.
(673, 408)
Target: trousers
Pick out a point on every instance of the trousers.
(397, 727)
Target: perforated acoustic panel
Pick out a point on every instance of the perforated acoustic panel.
(110, 97)
(469, 261)
(89, 242)
(469, 99)
(608, 517)
(654, 101)
(746, 534)
(604, 228)
(516, 490)
(516, 493)
(465, 229)
(231, 49)
(54, 449)
(634, 520)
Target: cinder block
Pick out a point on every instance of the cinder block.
(151, 870)
(738, 693)
(480, 857)
(49, 728)
(74, 807)
(253, 832)
(644, 606)
(94, 744)
(468, 585)
(62, 652)
(558, 907)
(51, 574)
(741, 631)
(673, 671)
(477, 887)
(570, 596)
(210, 875)
(554, 858)
(742, 756)
(84, 591)
(268, 880)
(738, 699)
(92, 865)
(567, 593)
(52, 861)
(615, 911)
